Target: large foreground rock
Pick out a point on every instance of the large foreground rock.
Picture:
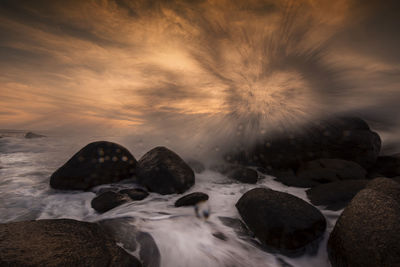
(97, 163)
(342, 138)
(368, 231)
(280, 220)
(335, 195)
(164, 172)
(59, 243)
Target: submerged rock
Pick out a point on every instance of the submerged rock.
(97, 163)
(368, 231)
(61, 242)
(30, 135)
(108, 200)
(162, 171)
(191, 199)
(244, 175)
(343, 138)
(330, 170)
(135, 193)
(336, 195)
(281, 221)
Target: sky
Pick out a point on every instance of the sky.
(197, 67)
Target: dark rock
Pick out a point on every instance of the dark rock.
(237, 225)
(196, 165)
(289, 178)
(30, 135)
(368, 231)
(125, 232)
(331, 170)
(61, 242)
(244, 175)
(191, 199)
(135, 193)
(342, 138)
(97, 163)
(108, 200)
(281, 221)
(336, 195)
(162, 171)
(220, 236)
(387, 166)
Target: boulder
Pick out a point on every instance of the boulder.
(281, 221)
(289, 178)
(388, 166)
(368, 231)
(162, 171)
(244, 175)
(60, 242)
(97, 163)
(335, 195)
(343, 138)
(191, 199)
(135, 193)
(30, 135)
(330, 170)
(196, 165)
(108, 200)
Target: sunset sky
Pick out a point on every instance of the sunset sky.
(149, 64)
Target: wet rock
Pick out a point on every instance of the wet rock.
(342, 138)
(244, 175)
(191, 199)
(336, 195)
(30, 135)
(281, 221)
(126, 233)
(196, 165)
(368, 231)
(387, 166)
(135, 193)
(289, 178)
(97, 163)
(108, 200)
(61, 242)
(237, 225)
(162, 171)
(220, 236)
(331, 170)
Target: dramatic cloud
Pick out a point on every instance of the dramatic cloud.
(224, 68)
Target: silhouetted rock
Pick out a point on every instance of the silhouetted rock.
(342, 138)
(289, 178)
(196, 165)
(30, 135)
(244, 175)
(135, 193)
(281, 221)
(388, 166)
(108, 200)
(330, 170)
(368, 231)
(61, 242)
(335, 195)
(162, 171)
(97, 163)
(191, 199)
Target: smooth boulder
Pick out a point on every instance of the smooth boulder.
(244, 175)
(108, 200)
(281, 221)
(368, 231)
(61, 242)
(330, 170)
(335, 195)
(339, 137)
(191, 199)
(97, 163)
(162, 171)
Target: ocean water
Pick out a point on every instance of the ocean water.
(181, 237)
